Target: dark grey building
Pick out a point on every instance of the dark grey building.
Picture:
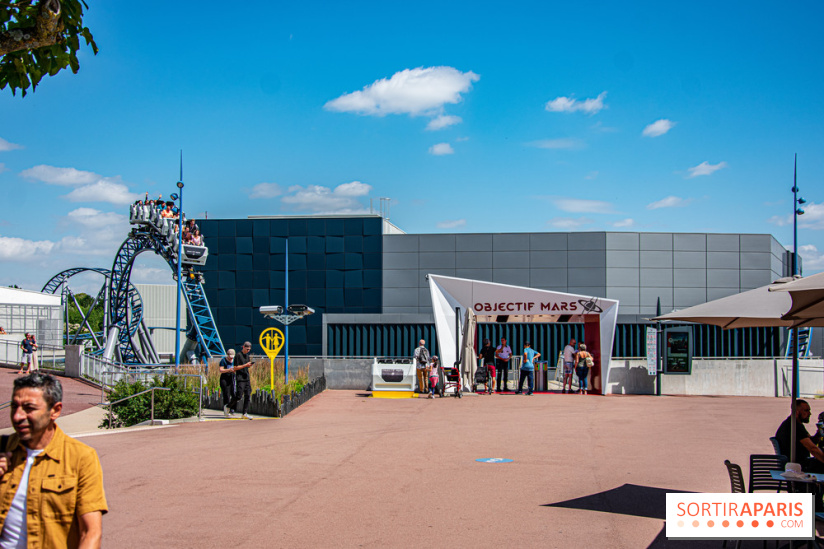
(367, 280)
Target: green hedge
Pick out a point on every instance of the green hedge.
(173, 404)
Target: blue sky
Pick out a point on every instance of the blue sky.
(470, 116)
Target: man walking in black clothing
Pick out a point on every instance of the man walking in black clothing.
(243, 385)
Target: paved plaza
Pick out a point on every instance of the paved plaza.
(352, 471)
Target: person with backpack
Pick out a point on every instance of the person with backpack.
(585, 362)
(421, 358)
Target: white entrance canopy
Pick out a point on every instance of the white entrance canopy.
(492, 302)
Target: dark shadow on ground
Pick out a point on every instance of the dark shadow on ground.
(629, 499)
(636, 501)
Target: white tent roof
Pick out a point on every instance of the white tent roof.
(16, 296)
(493, 302)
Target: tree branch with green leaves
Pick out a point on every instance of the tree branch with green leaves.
(39, 38)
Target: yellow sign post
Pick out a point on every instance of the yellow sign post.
(271, 339)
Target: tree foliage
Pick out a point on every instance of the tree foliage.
(76, 315)
(39, 38)
(179, 402)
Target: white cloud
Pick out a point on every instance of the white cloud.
(319, 199)
(569, 143)
(265, 190)
(813, 217)
(580, 205)
(353, 188)
(669, 202)
(452, 224)
(443, 121)
(591, 175)
(95, 219)
(568, 223)
(19, 249)
(624, 223)
(60, 176)
(440, 149)
(658, 128)
(812, 259)
(569, 104)
(705, 168)
(6, 146)
(420, 91)
(103, 191)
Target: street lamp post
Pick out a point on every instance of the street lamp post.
(797, 202)
(179, 266)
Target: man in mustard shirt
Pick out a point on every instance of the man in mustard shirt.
(51, 490)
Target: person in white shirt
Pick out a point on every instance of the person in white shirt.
(569, 364)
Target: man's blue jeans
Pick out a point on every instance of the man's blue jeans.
(527, 374)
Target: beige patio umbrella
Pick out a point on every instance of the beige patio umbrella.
(751, 309)
(807, 294)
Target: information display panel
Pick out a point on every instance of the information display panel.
(678, 351)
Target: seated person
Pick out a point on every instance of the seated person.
(196, 239)
(810, 456)
(2, 331)
(167, 212)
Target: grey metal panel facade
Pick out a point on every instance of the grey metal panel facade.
(635, 268)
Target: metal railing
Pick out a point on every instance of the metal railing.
(108, 381)
(49, 357)
(149, 390)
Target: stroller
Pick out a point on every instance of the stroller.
(482, 378)
(450, 378)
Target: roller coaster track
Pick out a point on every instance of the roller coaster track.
(133, 299)
(144, 238)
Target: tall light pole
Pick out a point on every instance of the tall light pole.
(797, 202)
(179, 264)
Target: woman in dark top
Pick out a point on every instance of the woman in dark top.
(227, 380)
(488, 355)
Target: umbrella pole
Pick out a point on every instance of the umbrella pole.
(794, 330)
(793, 421)
(658, 350)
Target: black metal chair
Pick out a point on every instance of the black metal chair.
(760, 477)
(776, 446)
(737, 486)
